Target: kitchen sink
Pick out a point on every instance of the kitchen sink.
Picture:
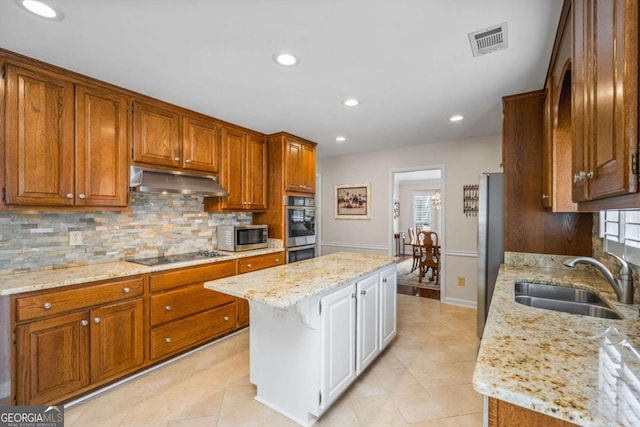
(562, 293)
(571, 307)
(564, 299)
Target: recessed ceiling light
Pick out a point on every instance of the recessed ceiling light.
(340, 139)
(351, 102)
(285, 59)
(41, 9)
(456, 118)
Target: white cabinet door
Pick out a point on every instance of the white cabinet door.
(368, 311)
(388, 304)
(338, 343)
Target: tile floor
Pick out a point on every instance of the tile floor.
(422, 379)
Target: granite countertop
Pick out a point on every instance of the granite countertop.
(286, 285)
(49, 279)
(580, 369)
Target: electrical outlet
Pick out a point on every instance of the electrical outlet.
(75, 238)
(460, 280)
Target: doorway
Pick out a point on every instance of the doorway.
(417, 201)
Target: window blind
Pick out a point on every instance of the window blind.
(421, 211)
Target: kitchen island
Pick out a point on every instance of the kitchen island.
(315, 326)
(576, 370)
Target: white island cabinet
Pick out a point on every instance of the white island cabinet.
(315, 326)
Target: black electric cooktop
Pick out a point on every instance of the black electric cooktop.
(169, 259)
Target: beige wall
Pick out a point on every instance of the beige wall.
(462, 161)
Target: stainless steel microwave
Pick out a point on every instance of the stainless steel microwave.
(238, 238)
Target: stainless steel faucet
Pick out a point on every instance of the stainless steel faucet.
(623, 286)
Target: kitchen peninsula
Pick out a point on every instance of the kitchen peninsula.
(315, 326)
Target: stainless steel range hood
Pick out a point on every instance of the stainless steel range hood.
(163, 181)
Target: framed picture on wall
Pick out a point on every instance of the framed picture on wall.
(352, 201)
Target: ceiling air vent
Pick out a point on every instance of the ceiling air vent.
(489, 39)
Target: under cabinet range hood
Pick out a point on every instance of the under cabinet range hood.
(165, 181)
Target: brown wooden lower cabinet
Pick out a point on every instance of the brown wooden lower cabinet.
(60, 357)
(243, 312)
(505, 414)
(75, 339)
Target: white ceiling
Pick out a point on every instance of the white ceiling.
(408, 61)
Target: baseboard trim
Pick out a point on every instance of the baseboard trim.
(461, 302)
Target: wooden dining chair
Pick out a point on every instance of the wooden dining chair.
(415, 251)
(429, 256)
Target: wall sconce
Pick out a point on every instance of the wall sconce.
(436, 199)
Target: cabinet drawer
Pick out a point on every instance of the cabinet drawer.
(47, 304)
(189, 275)
(181, 334)
(185, 301)
(259, 262)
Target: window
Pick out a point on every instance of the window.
(421, 210)
(621, 233)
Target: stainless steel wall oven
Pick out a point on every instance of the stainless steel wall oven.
(300, 228)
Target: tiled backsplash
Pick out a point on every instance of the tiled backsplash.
(31, 240)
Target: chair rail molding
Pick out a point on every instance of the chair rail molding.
(466, 254)
(356, 246)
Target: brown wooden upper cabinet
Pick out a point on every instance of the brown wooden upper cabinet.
(164, 135)
(66, 143)
(605, 100)
(243, 171)
(557, 137)
(300, 166)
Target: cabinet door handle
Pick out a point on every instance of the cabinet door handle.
(353, 295)
(46, 305)
(167, 339)
(590, 175)
(580, 176)
(82, 196)
(188, 161)
(545, 196)
(84, 322)
(363, 292)
(167, 307)
(69, 195)
(126, 290)
(384, 280)
(176, 159)
(226, 317)
(96, 320)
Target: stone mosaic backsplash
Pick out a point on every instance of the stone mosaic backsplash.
(155, 224)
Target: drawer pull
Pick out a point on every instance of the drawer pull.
(277, 259)
(167, 307)
(84, 322)
(167, 339)
(96, 320)
(249, 266)
(46, 305)
(226, 317)
(126, 290)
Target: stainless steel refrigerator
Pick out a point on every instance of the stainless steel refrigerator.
(490, 240)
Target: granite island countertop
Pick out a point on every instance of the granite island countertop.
(59, 277)
(286, 285)
(580, 369)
